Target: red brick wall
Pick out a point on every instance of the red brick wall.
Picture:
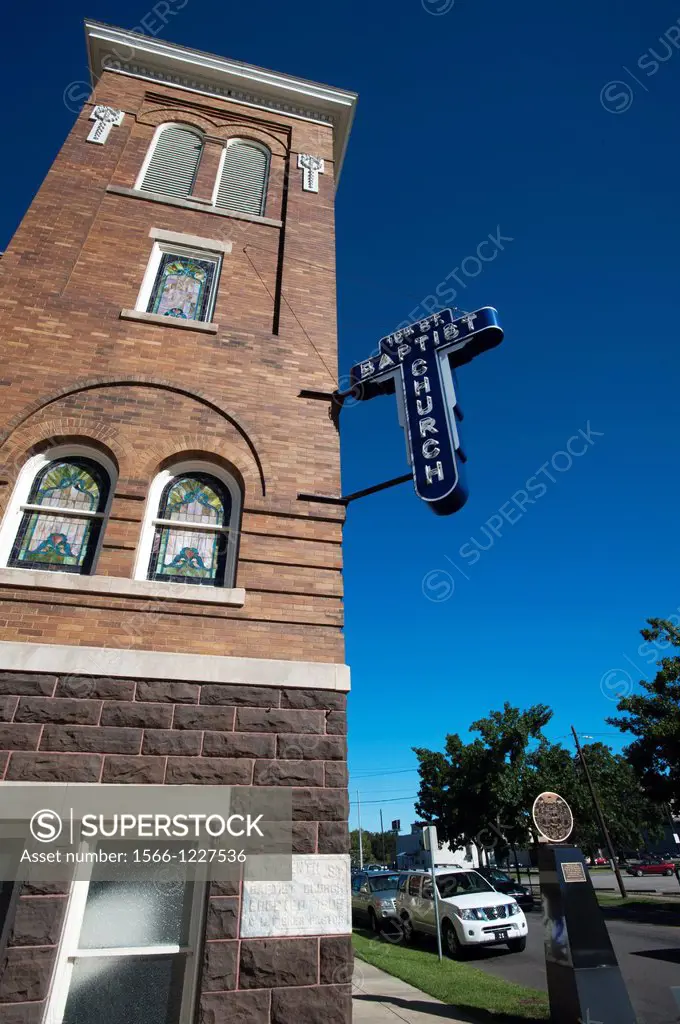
(145, 393)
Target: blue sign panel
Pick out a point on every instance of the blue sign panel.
(417, 364)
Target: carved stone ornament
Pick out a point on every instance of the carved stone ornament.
(105, 118)
(311, 167)
(552, 817)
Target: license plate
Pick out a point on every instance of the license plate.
(502, 935)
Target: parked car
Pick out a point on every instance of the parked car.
(471, 912)
(373, 897)
(502, 882)
(652, 867)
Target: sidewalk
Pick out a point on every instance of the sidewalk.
(378, 998)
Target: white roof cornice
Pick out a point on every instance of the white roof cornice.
(146, 57)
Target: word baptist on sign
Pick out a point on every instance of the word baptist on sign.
(417, 364)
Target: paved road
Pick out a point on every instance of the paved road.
(648, 954)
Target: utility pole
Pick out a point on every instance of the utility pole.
(382, 836)
(361, 845)
(598, 812)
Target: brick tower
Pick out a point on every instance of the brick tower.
(171, 610)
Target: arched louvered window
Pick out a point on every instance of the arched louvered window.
(242, 181)
(170, 168)
(61, 517)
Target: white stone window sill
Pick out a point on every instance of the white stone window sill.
(117, 586)
(191, 204)
(169, 321)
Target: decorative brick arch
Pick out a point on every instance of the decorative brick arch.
(244, 430)
(176, 115)
(249, 132)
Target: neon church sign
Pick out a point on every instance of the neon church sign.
(418, 363)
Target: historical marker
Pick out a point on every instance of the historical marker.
(584, 978)
(417, 363)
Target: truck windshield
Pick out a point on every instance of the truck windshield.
(381, 883)
(462, 883)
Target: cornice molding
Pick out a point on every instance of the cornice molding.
(141, 56)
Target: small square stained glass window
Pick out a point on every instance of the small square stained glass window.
(184, 286)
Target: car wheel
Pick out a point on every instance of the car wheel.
(668, 873)
(517, 945)
(451, 944)
(638, 874)
(373, 920)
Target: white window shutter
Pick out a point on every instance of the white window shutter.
(173, 165)
(243, 182)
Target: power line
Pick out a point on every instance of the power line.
(392, 800)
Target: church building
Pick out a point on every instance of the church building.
(171, 602)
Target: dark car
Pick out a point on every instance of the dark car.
(502, 882)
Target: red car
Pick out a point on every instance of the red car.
(653, 867)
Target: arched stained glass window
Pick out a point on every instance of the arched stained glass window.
(62, 518)
(191, 531)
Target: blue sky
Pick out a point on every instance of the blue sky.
(474, 117)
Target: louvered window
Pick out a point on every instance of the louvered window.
(174, 162)
(243, 182)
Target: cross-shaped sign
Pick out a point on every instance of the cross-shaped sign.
(105, 118)
(311, 167)
(417, 364)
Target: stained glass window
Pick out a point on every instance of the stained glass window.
(194, 550)
(62, 518)
(184, 287)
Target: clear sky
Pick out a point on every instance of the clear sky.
(475, 116)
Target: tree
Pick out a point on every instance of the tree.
(482, 792)
(653, 718)
(372, 847)
(477, 792)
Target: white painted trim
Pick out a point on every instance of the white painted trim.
(69, 952)
(160, 249)
(179, 238)
(169, 321)
(22, 488)
(154, 142)
(151, 516)
(56, 659)
(119, 586)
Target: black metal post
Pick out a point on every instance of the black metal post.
(600, 816)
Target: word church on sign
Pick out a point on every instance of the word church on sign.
(417, 364)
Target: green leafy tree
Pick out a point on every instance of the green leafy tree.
(482, 792)
(653, 718)
(476, 792)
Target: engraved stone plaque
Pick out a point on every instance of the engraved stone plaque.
(315, 902)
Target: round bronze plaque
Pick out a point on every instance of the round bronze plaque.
(552, 817)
